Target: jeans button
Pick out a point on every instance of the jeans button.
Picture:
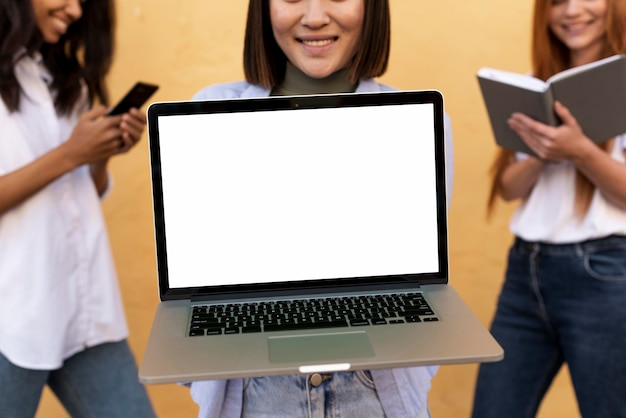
(317, 378)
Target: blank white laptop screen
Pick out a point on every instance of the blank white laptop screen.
(274, 196)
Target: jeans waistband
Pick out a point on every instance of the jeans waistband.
(570, 248)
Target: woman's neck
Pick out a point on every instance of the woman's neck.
(296, 82)
(586, 55)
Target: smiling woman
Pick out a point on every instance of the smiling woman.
(315, 47)
(569, 249)
(319, 39)
(57, 268)
(189, 44)
(581, 26)
(360, 48)
(55, 16)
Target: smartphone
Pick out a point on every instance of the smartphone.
(135, 97)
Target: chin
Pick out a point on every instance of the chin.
(51, 39)
(319, 74)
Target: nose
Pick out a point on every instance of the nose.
(74, 9)
(573, 7)
(315, 14)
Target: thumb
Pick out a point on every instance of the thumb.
(564, 113)
(95, 113)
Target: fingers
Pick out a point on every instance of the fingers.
(132, 126)
(523, 123)
(123, 145)
(139, 115)
(98, 112)
(534, 134)
(554, 143)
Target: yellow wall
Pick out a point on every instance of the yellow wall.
(185, 45)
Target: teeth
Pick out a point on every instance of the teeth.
(575, 27)
(318, 43)
(61, 23)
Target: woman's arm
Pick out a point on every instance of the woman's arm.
(607, 174)
(94, 139)
(519, 177)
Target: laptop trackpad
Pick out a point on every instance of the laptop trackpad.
(319, 347)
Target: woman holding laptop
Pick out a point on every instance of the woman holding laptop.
(313, 47)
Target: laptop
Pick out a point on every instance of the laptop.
(303, 234)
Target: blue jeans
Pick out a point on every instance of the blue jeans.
(100, 381)
(559, 304)
(340, 395)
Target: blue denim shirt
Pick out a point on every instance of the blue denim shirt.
(402, 392)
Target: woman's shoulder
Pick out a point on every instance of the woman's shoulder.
(367, 85)
(243, 89)
(384, 87)
(232, 90)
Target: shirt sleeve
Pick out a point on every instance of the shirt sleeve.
(9, 135)
(218, 398)
(449, 150)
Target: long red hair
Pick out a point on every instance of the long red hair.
(550, 56)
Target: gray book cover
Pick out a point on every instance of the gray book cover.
(594, 93)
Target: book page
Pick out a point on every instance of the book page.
(514, 79)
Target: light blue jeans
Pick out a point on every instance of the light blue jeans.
(343, 395)
(99, 382)
(559, 304)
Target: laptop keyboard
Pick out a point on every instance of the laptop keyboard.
(310, 314)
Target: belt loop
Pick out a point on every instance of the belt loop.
(535, 248)
(580, 251)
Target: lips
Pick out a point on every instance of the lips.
(59, 24)
(576, 27)
(317, 43)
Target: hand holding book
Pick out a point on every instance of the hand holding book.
(595, 94)
(563, 142)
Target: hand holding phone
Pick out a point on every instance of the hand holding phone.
(135, 97)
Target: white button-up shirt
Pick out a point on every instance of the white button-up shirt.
(58, 286)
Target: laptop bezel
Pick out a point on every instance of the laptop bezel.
(295, 103)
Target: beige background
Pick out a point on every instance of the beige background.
(188, 44)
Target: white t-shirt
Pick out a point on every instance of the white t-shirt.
(58, 286)
(548, 214)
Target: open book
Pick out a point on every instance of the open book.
(594, 93)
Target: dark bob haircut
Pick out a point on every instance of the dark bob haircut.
(264, 63)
